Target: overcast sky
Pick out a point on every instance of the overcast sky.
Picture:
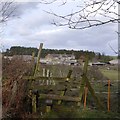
(32, 26)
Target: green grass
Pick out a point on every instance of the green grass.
(111, 74)
(114, 57)
(66, 112)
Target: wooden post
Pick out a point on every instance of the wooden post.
(53, 82)
(33, 55)
(33, 62)
(85, 97)
(34, 107)
(49, 102)
(61, 94)
(48, 72)
(48, 75)
(108, 103)
(48, 108)
(83, 79)
(69, 74)
(38, 59)
(44, 72)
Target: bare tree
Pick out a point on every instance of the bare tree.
(7, 9)
(88, 14)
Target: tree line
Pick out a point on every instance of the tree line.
(18, 50)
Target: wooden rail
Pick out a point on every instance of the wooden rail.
(58, 97)
(45, 78)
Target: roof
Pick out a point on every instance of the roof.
(61, 55)
(24, 57)
(98, 63)
(54, 55)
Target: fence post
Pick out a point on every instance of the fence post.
(108, 103)
(38, 59)
(85, 67)
(69, 74)
(48, 101)
(44, 72)
(34, 107)
(61, 94)
(33, 62)
(85, 97)
(48, 75)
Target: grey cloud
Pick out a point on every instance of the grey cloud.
(34, 27)
(22, 6)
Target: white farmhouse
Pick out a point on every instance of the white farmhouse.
(61, 59)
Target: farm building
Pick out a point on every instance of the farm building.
(98, 63)
(23, 57)
(114, 62)
(51, 57)
(81, 60)
(61, 57)
(68, 59)
(43, 60)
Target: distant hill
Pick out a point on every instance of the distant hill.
(18, 50)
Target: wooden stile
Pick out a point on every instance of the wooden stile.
(47, 79)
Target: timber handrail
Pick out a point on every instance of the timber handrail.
(58, 97)
(45, 78)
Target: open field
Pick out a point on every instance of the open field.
(111, 74)
(80, 113)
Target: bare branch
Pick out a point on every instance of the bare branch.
(47, 2)
(92, 13)
(113, 49)
(7, 10)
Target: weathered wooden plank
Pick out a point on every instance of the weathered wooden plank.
(33, 62)
(58, 97)
(45, 78)
(34, 107)
(85, 97)
(69, 74)
(83, 79)
(38, 59)
(55, 88)
(61, 94)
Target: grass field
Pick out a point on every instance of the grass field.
(111, 74)
(79, 114)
